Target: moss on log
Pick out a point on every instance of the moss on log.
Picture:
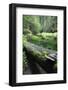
(44, 57)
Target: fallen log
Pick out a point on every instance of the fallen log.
(44, 57)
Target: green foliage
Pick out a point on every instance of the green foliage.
(40, 31)
(47, 40)
(32, 23)
(37, 24)
(37, 28)
(27, 21)
(27, 31)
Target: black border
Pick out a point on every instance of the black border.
(12, 43)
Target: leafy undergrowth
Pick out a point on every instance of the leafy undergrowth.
(46, 40)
